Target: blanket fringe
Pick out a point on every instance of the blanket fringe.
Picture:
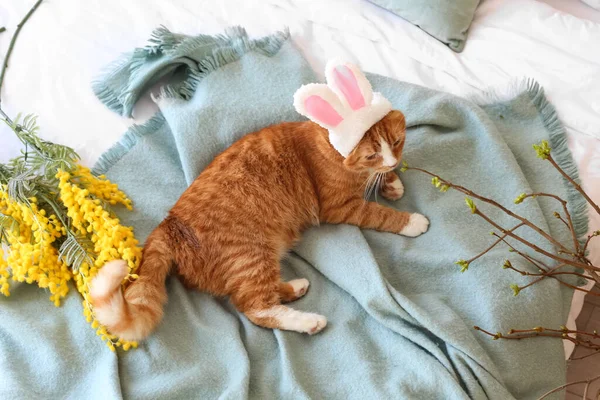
(563, 157)
(111, 156)
(236, 45)
(103, 92)
(162, 40)
(557, 139)
(226, 48)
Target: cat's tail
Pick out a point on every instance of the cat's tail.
(133, 315)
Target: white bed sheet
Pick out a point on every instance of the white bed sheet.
(66, 43)
(577, 8)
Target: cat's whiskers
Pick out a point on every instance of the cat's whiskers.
(367, 184)
(373, 185)
(380, 179)
(368, 179)
(378, 184)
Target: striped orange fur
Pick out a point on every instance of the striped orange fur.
(230, 228)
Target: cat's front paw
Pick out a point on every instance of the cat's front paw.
(417, 224)
(393, 189)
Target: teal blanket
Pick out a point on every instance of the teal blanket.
(400, 313)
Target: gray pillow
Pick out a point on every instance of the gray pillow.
(446, 20)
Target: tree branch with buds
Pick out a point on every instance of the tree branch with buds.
(561, 255)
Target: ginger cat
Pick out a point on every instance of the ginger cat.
(230, 228)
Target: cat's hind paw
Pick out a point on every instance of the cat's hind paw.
(300, 286)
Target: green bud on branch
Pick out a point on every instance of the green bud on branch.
(542, 150)
(520, 198)
(471, 204)
(464, 265)
(404, 166)
(516, 289)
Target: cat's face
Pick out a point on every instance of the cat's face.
(380, 150)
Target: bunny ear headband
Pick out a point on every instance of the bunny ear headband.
(346, 106)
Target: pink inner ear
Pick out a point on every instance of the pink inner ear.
(321, 110)
(345, 80)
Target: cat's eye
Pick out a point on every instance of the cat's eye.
(397, 142)
(372, 156)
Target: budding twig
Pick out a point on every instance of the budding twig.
(537, 263)
(568, 223)
(588, 382)
(546, 273)
(468, 192)
(589, 238)
(586, 356)
(536, 248)
(14, 40)
(557, 215)
(500, 239)
(538, 331)
(589, 340)
(575, 184)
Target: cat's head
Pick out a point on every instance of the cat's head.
(380, 149)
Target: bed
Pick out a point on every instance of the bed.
(66, 44)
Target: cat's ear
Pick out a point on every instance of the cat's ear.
(349, 83)
(320, 104)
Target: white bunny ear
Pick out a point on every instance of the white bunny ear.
(320, 104)
(349, 83)
(346, 107)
